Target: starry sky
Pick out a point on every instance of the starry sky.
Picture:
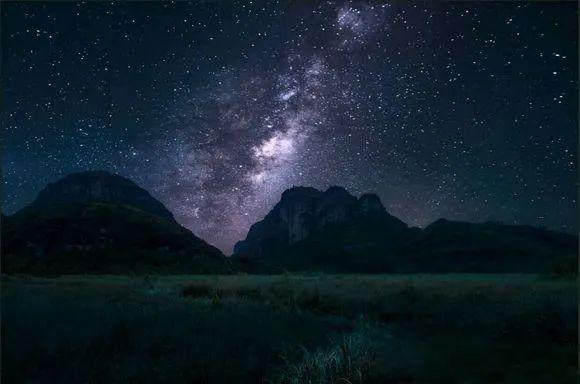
(462, 110)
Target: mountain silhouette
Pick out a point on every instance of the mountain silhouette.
(332, 230)
(101, 222)
(98, 222)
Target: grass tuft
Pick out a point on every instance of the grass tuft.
(349, 359)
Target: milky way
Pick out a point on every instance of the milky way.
(465, 111)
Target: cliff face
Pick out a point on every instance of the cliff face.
(296, 212)
(334, 231)
(305, 213)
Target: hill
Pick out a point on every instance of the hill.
(97, 222)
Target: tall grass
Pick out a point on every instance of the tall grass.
(349, 359)
(225, 329)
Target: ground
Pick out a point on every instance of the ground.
(290, 329)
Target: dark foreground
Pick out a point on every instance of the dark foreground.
(290, 329)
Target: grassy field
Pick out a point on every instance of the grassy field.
(290, 329)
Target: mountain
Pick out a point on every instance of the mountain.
(334, 231)
(93, 222)
(449, 246)
(312, 228)
(98, 186)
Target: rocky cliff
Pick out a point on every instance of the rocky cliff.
(305, 213)
(334, 231)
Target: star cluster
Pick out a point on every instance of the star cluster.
(460, 110)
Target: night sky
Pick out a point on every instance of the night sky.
(466, 111)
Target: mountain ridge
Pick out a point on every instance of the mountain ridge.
(333, 228)
(97, 221)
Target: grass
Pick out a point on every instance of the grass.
(349, 359)
(290, 329)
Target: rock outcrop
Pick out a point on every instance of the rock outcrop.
(305, 213)
(371, 204)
